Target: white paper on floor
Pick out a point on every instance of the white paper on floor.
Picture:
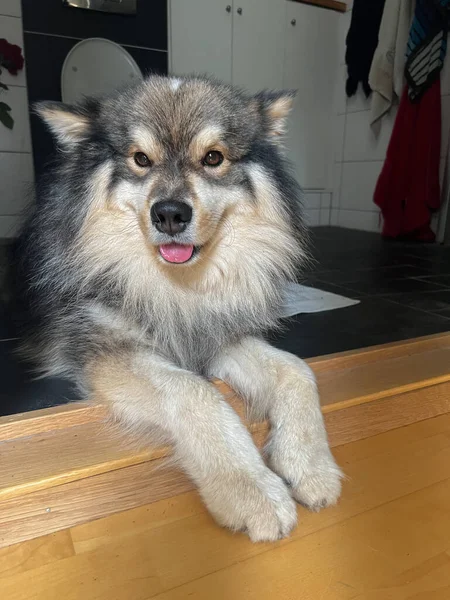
(302, 299)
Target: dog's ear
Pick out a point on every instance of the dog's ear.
(69, 124)
(275, 107)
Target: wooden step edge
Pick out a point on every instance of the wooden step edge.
(50, 419)
(74, 414)
(60, 473)
(351, 359)
(46, 511)
(134, 458)
(387, 393)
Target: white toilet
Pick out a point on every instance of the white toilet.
(96, 66)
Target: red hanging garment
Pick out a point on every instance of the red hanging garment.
(407, 190)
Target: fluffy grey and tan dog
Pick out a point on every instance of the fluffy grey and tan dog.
(157, 256)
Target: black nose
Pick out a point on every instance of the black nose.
(170, 216)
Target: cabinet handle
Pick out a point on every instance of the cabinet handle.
(239, 11)
(294, 22)
(228, 8)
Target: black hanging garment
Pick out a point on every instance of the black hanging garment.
(362, 40)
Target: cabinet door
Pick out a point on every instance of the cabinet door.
(200, 37)
(311, 68)
(258, 43)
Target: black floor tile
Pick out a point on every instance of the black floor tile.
(430, 301)
(393, 286)
(373, 321)
(346, 277)
(326, 286)
(443, 280)
(21, 391)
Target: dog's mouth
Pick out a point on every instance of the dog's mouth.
(177, 253)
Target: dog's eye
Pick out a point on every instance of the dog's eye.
(142, 160)
(213, 159)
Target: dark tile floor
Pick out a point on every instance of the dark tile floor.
(403, 288)
(404, 292)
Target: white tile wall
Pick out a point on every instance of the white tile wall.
(337, 176)
(360, 143)
(325, 200)
(11, 30)
(359, 219)
(12, 8)
(445, 78)
(338, 137)
(16, 165)
(311, 201)
(339, 101)
(324, 217)
(9, 226)
(16, 182)
(334, 217)
(17, 139)
(358, 184)
(358, 101)
(445, 106)
(312, 217)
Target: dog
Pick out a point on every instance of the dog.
(155, 260)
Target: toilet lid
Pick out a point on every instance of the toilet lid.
(96, 66)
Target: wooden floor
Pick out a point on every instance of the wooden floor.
(389, 539)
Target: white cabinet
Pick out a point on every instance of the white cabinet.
(310, 67)
(258, 43)
(200, 37)
(273, 44)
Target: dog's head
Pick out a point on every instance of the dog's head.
(178, 163)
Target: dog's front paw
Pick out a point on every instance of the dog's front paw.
(259, 505)
(310, 471)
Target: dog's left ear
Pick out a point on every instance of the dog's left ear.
(275, 107)
(69, 124)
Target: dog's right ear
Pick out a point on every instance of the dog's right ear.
(69, 124)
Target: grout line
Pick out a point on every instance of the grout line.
(15, 152)
(359, 210)
(11, 16)
(16, 85)
(68, 37)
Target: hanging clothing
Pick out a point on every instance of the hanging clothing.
(362, 39)
(386, 77)
(407, 190)
(427, 45)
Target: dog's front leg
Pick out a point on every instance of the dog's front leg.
(210, 441)
(282, 387)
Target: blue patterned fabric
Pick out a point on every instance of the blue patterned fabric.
(427, 45)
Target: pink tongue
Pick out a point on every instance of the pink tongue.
(176, 253)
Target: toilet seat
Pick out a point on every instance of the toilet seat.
(96, 66)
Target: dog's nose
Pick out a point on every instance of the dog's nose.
(170, 216)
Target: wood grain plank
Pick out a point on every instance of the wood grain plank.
(50, 419)
(47, 511)
(391, 529)
(94, 497)
(35, 553)
(57, 457)
(377, 551)
(364, 420)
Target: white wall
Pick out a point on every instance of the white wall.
(358, 153)
(16, 164)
